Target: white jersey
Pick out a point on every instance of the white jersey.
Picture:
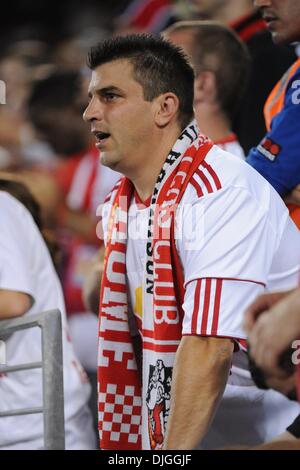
(232, 145)
(235, 239)
(26, 266)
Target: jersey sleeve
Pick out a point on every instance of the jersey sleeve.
(215, 307)
(228, 265)
(15, 263)
(226, 235)
(277, 156)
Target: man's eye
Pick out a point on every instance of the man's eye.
(110, 96)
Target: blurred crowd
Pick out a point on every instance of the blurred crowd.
(45, 144)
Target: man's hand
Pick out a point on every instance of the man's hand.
(274, 330)
(260, 305)
(200, 375)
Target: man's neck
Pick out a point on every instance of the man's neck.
(212, 122)
(144, 176)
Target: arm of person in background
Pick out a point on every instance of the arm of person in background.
(289, 440)
(273, 323)
(285, 442)
(92, 283)
(200, 375)
(80, 223)
(13, 304)
(16, 290)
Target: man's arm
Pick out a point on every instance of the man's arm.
(200, 375)
(13, 304)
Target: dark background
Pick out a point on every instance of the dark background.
(51, 22)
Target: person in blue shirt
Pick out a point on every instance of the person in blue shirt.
(277, 156)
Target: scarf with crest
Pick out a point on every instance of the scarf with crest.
(134, 405)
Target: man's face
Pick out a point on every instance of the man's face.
(121, 120)
(282, 18)
(207, 9)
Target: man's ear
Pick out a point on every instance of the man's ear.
(167, 106)
(205, 88)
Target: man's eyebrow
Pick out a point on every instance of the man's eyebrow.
(104, 90)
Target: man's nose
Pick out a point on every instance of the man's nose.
(92, 111)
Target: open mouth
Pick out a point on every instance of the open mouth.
(101, 136)
(270, 19)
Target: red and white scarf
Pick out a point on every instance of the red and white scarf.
(133, 410)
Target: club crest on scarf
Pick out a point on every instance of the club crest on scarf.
(134, 405)
(158, 402)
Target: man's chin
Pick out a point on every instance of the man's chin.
(108, 160)
(279, 39)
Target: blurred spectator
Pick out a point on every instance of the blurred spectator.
(277, 155)
(91, 288)
(55, 108)
(29, 285)
(273, 322)
(221, 64)
(269, 62)
(17, 137)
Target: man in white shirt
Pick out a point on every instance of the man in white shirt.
(231, 239)
(29, 285)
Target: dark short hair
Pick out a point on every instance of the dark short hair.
(158, 66)
(217, 48)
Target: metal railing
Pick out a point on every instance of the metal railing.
(52, 371)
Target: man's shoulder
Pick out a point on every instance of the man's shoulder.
(15, 218)
(10, 204)
(222, 171)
